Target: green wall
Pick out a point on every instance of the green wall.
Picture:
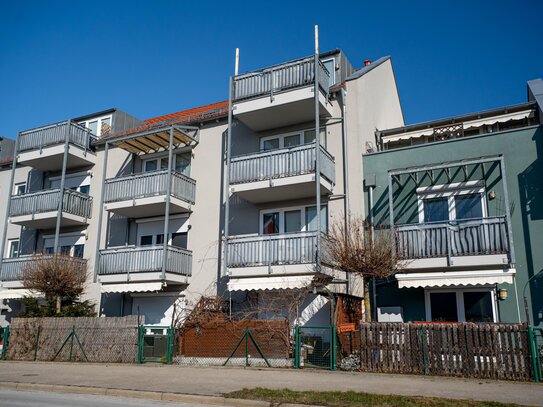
(522, 150)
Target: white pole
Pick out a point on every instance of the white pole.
(316, 39)
(236, 70)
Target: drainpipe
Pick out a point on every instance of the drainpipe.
(8, 206)
(62, 184)
(372, 231)
(346, 206)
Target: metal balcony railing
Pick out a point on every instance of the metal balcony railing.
(73, 202)
(280, 78)
(12, 269)
(145, 259)
(482, 236)
(281, 163)
(149, 184)
(56, 134)
(267, 250)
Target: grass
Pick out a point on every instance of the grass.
(353, 399)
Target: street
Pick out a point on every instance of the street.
(16, 398)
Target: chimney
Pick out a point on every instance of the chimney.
(367, 62)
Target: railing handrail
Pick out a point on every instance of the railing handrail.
(153, 173)
(87, 140)
(453, 222)
(8, 273)
(271, 236)
(279, 151)
(50, 191)
(274, 68)
(132, 248)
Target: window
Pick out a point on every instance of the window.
(181, 163)
(330, 65)
(461, 305)
(292, 139)
(441, 203)
(76, 182)
(98, 126)
(13, 249)
(70, 244)
(20, 188)
(146, 240)
(180, 239)
(291, 220)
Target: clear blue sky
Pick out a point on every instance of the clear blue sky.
(61, 59)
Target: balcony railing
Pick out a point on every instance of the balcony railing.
(280, 78)
(145, 259)
(470, 237)
(56, 134)
(281, 163)
(73, 202)
(267, 250)
(12, 269)
(149, 184)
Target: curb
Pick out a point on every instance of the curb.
(139, 394)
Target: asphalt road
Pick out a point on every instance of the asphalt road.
(15, 398)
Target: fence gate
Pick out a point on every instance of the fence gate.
(536, 348)
(155, 344)
(315, 347)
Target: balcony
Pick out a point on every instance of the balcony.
(284, 253)
(283, 174)
(43, 147)
(144, 263)
(461, 243)
(38, 210)
(144, 195)
(12, 270)
(280, 95)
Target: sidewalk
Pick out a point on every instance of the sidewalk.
(215, 381)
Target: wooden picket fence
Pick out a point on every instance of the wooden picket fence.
(497, 351)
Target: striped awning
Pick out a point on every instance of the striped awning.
(455, 278)
(15, 294)
(131, 287)
(269, 283)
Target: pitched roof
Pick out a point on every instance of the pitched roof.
(195, 114)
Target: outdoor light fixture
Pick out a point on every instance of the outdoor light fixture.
(502, 294)
(492, 194)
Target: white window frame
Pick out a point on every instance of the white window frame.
(333, 73)
(158, 158)
(16, 187)
(184, 228)
(8, 248)
(80, 241)
(450, 191)
(282, 136)
(100, 119)
(460, 309)
(282, 210)
(85, 183)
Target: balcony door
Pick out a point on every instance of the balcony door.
(461, 305)
(181, 163)
(151, 232)
(292, 220)
(71, 244)
(79, 182)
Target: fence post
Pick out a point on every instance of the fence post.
(296, 348)
(333, 350)
(140, 343)
(246, 346)
(5, 342)
(423, 337)
(533, 353)
(37, 343)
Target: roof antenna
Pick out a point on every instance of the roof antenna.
(236, 69)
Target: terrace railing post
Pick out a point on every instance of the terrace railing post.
(317, 150)
(100, 214)
(448, 242)
(507, 212)
(227, 182)
(169, 180)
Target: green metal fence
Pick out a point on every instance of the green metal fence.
(536, 349)
(315, 346)
(155, 344)
(4, 337)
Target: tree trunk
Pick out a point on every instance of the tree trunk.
(58, 304)
(366, 311)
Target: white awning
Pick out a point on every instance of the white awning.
(15, 293)
(131, 287)
(269, 283)
(409, 135)
(488, 121)
(455, 278)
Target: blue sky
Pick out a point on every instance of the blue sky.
(63, 59)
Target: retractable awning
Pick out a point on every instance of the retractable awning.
(488, 121)
(269, 283)
(455, 278)
(131, 287)
(15, 294)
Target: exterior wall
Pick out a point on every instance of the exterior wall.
(522, 150)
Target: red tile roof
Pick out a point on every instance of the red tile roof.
(194, 114)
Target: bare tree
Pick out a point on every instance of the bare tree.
(56, 276)
(356, 248)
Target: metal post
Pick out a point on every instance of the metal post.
(167, 211)
(228, 156)
(507, 212)
(8, 206)
(296, 347)
(37, 343)
(62, 183)
(390, 201)
(317, 150)
(100, 214)
(247, 346)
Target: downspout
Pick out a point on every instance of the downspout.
(317, 151)
(345, 153)
(372, 231)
